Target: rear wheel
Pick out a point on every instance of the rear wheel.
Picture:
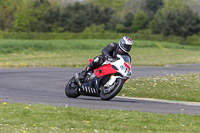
(71, 89)
(112, 91)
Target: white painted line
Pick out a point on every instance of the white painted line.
(163, 101)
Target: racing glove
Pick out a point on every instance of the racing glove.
(110, 58)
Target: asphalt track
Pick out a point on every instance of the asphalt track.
(46, 86)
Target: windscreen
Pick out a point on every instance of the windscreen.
(126, 58)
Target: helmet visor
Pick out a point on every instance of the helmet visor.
(127, 47)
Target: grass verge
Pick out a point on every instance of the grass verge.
(79, 58)
(75, 53)
(23, 118)
(184, 87)
(17, 46)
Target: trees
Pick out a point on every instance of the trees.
(181, 21)
(25, 19)
(140, 21)
(48, 22)
(138, 13)
(167, 17)
(113, 4)
(78, 16)
(7, 13)
(152, 6)
(22, 15)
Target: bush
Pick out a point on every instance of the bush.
(140, 21)
(120, 28)
(1, 34)
(65, 35)
(170, 20)
(147, 35)
(193, 40)
(95, 29)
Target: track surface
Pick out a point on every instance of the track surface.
(46, 86)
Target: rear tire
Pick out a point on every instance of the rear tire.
(71, 89)
(107, 96)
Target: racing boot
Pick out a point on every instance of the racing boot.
(90, 67)
(81, 75)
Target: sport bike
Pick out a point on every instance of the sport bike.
(104, 82)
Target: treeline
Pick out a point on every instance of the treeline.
(165, 17)
(46, 16)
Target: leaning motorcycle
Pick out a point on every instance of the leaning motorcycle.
(104, 82)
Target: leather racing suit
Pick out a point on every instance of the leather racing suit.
(108, 53)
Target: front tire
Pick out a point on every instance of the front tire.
(118, 86)
(71, 89)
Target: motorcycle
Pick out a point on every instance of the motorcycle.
(104, 82)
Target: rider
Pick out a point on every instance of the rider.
(108, 53)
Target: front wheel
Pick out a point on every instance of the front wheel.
(109, 93)
(71, 89)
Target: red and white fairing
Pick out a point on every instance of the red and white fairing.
(122, 66)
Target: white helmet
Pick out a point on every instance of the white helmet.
(125, 44)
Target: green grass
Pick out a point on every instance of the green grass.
(159, 57)
(25, 118)
(22, 118)
(27, 46)
(79, 58)
(61, 53)
(184, 87)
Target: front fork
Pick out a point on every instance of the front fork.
(110, 85)
(112, 80)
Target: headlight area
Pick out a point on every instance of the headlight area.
(122, 67)
(129, 74)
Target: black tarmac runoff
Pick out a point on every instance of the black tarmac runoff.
(46, 86)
